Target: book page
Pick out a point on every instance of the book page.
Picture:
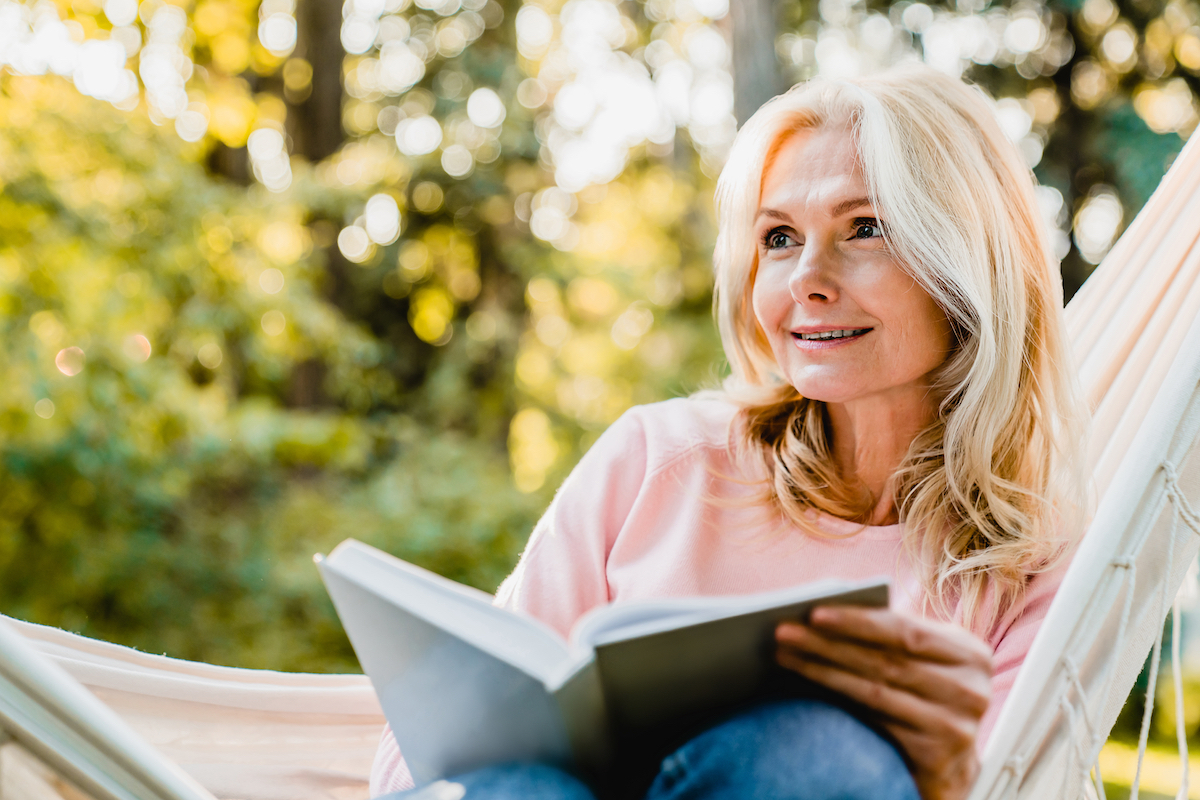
(466, 613)
(452, 706)
(642, 617)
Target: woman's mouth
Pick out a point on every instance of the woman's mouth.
(821, 337)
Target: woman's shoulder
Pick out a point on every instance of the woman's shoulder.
(672, 429)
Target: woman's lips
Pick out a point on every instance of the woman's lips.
(829, 337)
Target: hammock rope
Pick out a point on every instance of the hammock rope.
(1015, 766)
(1177, 675)
(1086, 735)
(1182, 512)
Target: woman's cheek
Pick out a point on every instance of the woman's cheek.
(760, 300)
(770, 298)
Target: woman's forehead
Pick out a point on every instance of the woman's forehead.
(813, 169)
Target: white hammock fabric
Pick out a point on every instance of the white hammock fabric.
(260, 735)
(242, 734)
(1136, 333)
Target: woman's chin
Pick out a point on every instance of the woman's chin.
(824, 384)
(824, 394)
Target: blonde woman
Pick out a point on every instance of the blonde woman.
(901, 403)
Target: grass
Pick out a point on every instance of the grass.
(1161, 772)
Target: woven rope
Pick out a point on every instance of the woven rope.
(1177, 676)
(1183, 512)
(1015, 766)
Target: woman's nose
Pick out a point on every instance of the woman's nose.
(813, 280)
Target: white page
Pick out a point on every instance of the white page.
(453, 705)
(522, 641)
(643, 617)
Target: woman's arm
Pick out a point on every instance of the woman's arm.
(562, 572)
(929, 682)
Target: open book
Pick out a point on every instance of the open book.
(465, 684)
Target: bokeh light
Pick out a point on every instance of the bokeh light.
(418, 136)
(210, 355)
(274, 322)
(1097, 222)
(121, 12)
(355, 244)
(457, 161)
(277, 26)
(485, 108)
(382, 219)
(271, 281)
(532, 448)
(69, 361)
(136, 347)
(269, 159)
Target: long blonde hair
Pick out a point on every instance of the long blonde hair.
(992, 490)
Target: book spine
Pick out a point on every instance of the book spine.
(581, 703)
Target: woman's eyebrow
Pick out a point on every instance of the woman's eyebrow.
(841, 208)
(850, 205)
(770, 212)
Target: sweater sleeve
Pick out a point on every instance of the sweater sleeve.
(1016, 634)
(561, 574)
(389, 771)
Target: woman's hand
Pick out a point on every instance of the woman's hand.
(929, 683)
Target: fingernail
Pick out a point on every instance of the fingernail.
(788, 628)
(824, 615)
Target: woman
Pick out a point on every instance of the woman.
(900, 403)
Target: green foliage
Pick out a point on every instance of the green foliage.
(173, 500)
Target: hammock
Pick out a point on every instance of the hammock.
(261, 735)
(1135, 328)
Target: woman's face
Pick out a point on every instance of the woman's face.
(845, 322)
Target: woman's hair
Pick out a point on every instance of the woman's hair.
(992, 490)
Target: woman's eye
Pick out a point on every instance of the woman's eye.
(867, 229)
(775, 240)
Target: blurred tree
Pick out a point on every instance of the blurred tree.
(757, 72)
(312, 80)
(251, 373)
(157, 489)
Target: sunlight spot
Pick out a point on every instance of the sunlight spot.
(136, 347)
(210, 355)
(273, 322)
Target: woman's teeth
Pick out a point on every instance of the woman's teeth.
(816, 337)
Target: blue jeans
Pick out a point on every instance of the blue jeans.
(786, 750)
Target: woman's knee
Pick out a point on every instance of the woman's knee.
(515, 781)
(801, 749)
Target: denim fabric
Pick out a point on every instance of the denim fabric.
(788, 750)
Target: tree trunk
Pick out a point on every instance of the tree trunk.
(315, 124)
(756, 73)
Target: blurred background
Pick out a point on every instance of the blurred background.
(277, 273)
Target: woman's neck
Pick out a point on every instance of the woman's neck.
(871, 437)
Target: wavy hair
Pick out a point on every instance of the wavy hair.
(992, 490)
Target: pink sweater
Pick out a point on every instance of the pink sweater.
(651, 511)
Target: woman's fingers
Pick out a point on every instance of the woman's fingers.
(958, 684)
(896, 705)
(928, 683)
(934, 641)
